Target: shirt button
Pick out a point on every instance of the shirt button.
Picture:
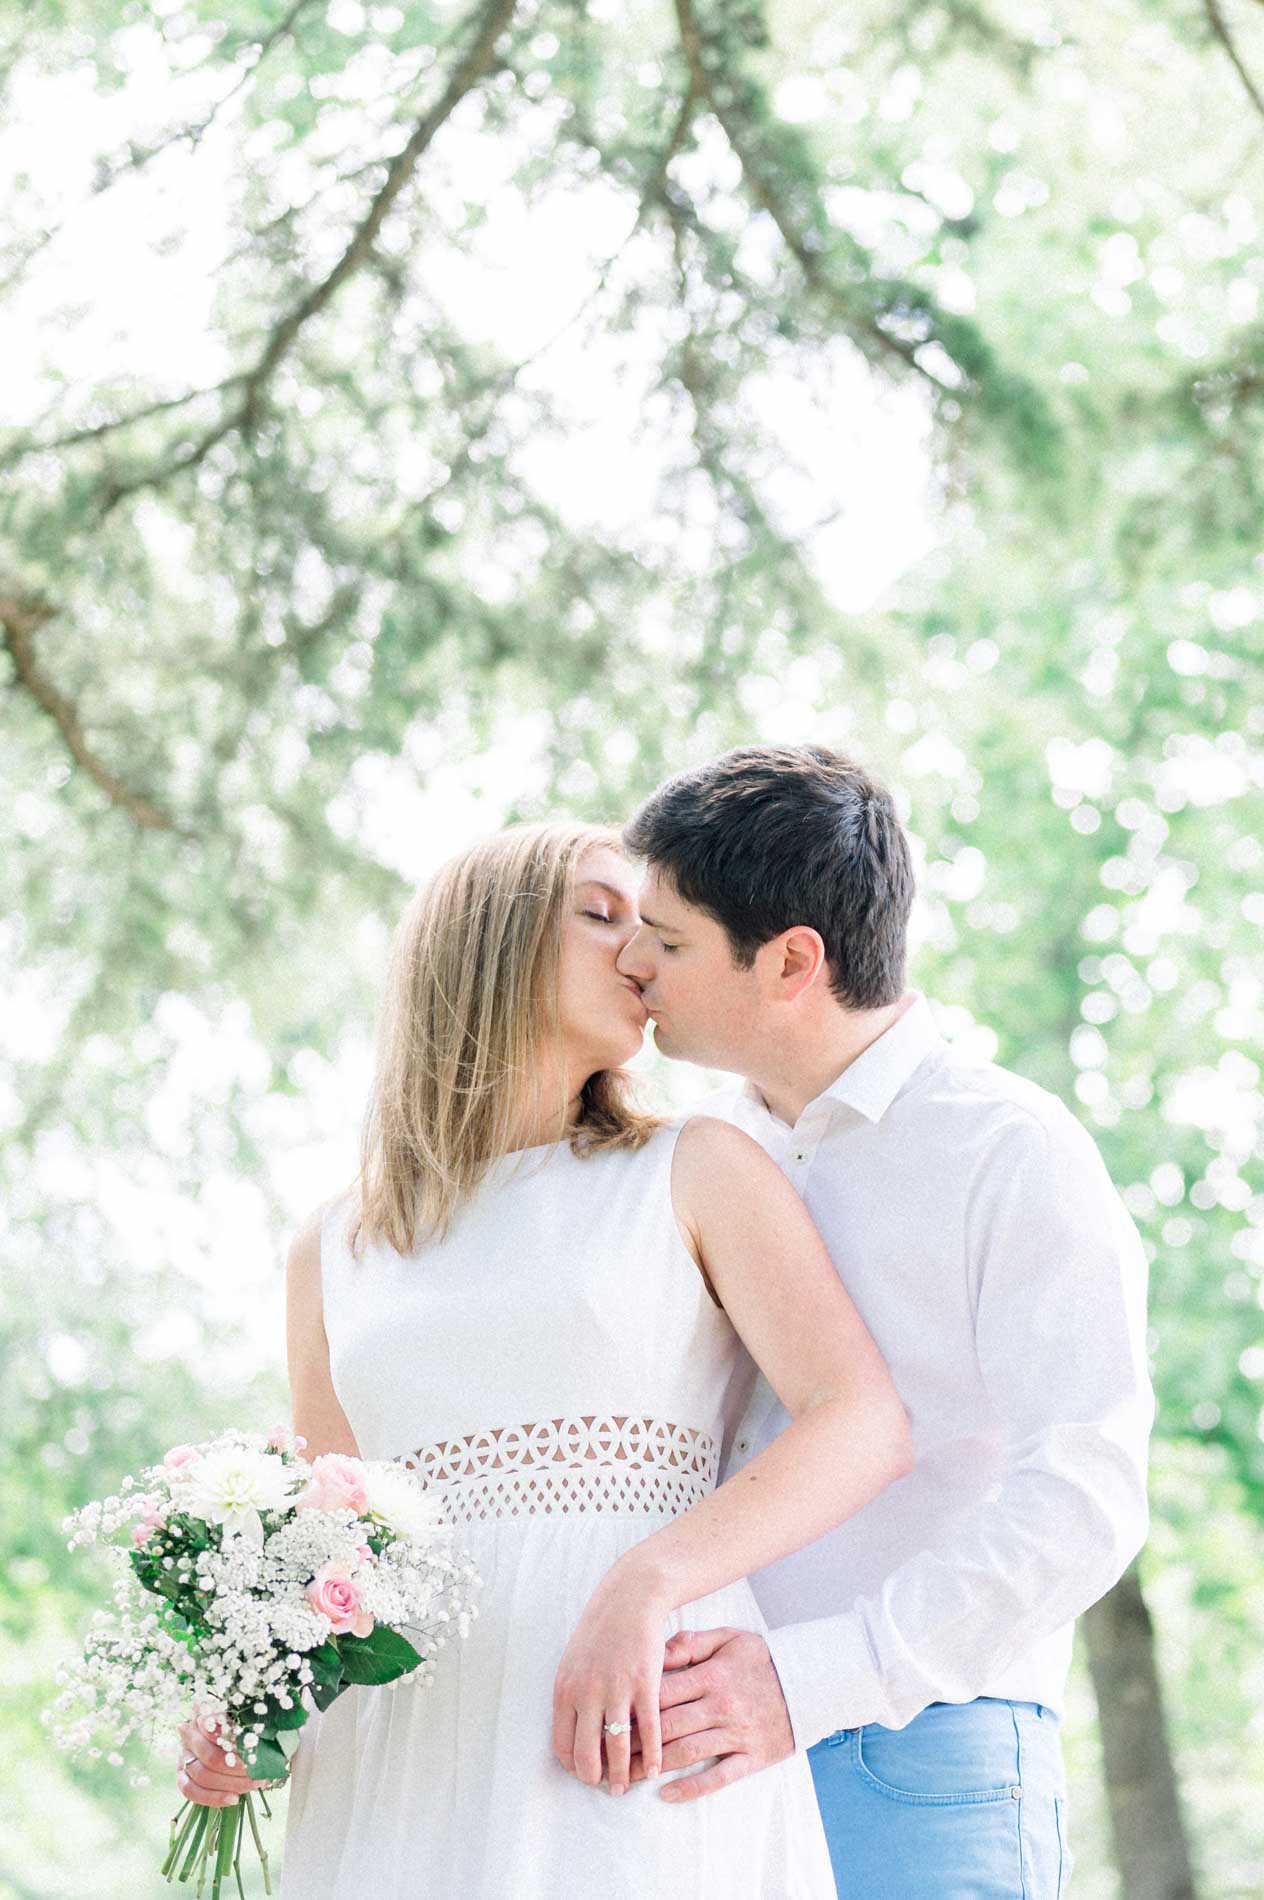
(743, 1444)
(1016, 1793)
(799, 1156)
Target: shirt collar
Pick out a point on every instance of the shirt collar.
(871, 1083)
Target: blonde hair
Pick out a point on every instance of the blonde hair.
(470, 1006)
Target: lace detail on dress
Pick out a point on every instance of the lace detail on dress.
(625, 1467)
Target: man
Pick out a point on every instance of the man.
(919, 1652)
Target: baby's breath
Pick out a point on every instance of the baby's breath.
(211, 1615)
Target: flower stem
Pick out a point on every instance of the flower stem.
(241, 1837)
(254, 1829)
(208, 1846)
(180, 1829)
(199, 1829)
(229, 1823)
(212, 1839)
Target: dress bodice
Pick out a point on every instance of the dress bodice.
(556, 1351)
(557, 1370)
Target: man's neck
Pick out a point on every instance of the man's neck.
(797, 1068)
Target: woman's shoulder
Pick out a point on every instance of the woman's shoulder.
(684, 1134)
(310, 1235)
(691, 1131)
(694, 1151)
(708, 1139)
(721, 1172)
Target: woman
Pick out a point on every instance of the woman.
(536, 1297)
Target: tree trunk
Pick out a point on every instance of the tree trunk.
(1151, 1847)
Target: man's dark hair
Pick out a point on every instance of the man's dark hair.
(766, 837)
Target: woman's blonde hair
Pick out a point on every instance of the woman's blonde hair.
(470, 1006)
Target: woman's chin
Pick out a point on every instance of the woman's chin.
(623, 1049)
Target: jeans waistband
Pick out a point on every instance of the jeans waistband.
(1023, 1712)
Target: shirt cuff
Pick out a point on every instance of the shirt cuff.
(828, 1677)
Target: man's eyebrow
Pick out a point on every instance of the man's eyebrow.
(654, 923)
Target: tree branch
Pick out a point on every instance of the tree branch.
(764, 192)
(481, 58)
(139, 156)
(20, 621)
(110, 170)
(652, 194)
(1220, 28)
(97, 430)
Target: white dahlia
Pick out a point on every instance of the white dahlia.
(396, 1497)
(231, 1485)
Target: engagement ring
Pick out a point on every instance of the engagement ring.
(618, 1728)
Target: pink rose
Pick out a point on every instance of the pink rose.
(365, 1554)
(152, 1518)
(279, 1438)
(181, 1455)
(336, 1483)
(334, 1592)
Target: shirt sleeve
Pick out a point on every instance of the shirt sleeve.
(1057, 1275)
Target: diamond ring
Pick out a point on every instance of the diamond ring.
(618, 1728)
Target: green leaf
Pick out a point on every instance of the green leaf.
(268, 1762)
(327, 1677)
(275, 1717)
(380, 1657)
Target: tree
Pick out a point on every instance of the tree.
(330, 545)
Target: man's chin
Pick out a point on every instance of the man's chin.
(678, 1050)
(667, 1045)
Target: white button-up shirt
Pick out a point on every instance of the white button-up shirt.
(974, 1224)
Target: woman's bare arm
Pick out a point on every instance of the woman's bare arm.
(849, 1434)
(318, 1417)
(204, 1775)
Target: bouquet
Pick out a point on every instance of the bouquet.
(255, 1587)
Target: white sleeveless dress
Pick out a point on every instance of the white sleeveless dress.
(557, 1369)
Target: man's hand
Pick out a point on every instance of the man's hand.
(720, 1695)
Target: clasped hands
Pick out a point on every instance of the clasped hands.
(705, 1693)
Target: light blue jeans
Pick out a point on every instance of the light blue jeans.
(966, 1803)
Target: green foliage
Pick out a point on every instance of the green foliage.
(235, 622)
(328, 1680)
(382, 1656)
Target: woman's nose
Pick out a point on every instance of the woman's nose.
(629, 961)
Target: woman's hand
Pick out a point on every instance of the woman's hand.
(203, 1775)
(611, 1671)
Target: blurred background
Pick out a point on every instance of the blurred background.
(421, 416)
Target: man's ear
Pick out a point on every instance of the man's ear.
(797, 961)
